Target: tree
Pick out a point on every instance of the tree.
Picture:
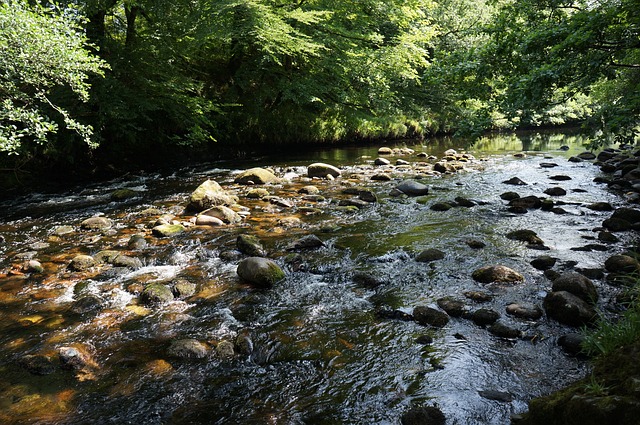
(547, 52)
(42, 51)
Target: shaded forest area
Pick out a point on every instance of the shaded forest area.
(94, 84)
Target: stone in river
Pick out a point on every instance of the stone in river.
(260, 272)
(499, 274)
(322, 170)
(413, 188)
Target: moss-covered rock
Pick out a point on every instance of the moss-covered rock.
(156, 293)
(167, 230)
(260, 272)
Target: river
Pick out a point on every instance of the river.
(315, 348)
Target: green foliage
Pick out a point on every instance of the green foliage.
(609, 335)
(41, 52)
(545, 54)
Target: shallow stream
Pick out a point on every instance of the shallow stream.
(314, 349)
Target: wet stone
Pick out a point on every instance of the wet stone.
(381, 161)
(306, 242)
(167, 230)
(509, 196)
(428, 316)
(381, 177)
(393, 314)
(429, 255)
(225, 350)
(555, 191)
(525, 235)
(600, 206)
(137, 242)
(571, 344)
(250, 245)
(322, 170)
(544, 262)
(502, 396)
(478, 296)
(156, 293)
(503, 331)
(87, 304)
(498, 274)
(427, 415)
(578, 285)
(528, 202)
(183, 288)
(37, 364)
(484, 316)
(569, 309)
(622, 264)
(453, 307)
(560, 178)
(96, 223)
(82, 262)
(524, 311)
(367, 280)
(260, 272)
(413, 188)
(548, 165)
(475, 244)
(188, 349)
(515, 181)
(441, 206)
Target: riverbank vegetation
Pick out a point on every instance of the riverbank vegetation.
(150, 81)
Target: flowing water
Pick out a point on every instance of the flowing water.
(315, 349)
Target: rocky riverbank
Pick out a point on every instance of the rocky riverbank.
(306, 267)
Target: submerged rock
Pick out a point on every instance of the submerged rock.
(367, 280)
(260, 272)
(225, 214)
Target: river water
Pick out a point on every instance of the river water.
(320, 352)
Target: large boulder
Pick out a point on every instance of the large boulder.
(499, 274)
(256, 176)
(569, 309)
(207, 195)
(413, 188)
(260, 272)
(322, 170)
(630, 215)
(578, 285)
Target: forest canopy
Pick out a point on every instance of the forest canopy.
(140, 76)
